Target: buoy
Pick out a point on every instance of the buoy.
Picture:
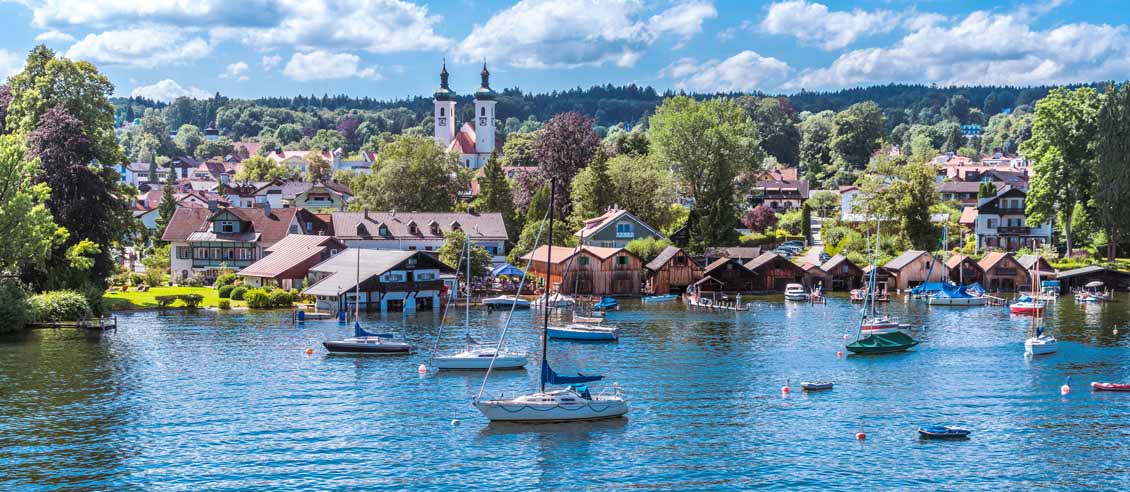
(422, 369)
(454, 422)
(845, 336)
(1066, 388)
(839, 354)
(309, 351)
(785, 389)
(861, 436)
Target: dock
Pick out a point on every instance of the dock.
(94, 324)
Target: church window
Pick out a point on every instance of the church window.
(483, 111)
(441, 112)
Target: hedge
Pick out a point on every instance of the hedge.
(224, 304)
(224, 291)
(165, 301)
(225, 279)
(281, 298)
(59, 305)
(238, 293)
(257, 299)
(192, 300)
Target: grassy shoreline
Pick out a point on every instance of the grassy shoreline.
(133, 300)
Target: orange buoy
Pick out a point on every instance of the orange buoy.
(839, 354)
(1066, 388)
(422, 369)
(309, 351)
(861, 436)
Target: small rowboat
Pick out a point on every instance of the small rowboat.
(816, 385)
(660, 298)
(606, 303)
(943, 432)
(583, 332)
(1096, 386)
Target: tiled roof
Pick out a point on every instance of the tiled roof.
(771, 186)
(664, 256)
(289, 252)
(737, 252)
(968, 216)
(955, 260)
(719, 262)
(186, 221)
(767, 258)
(464, 141)
(961, 186)
(904, 259)
(477, 226)
(990, 260)
(836, 261)
(1029, 263)
(564, 253)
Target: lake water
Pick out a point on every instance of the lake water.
(211, 401)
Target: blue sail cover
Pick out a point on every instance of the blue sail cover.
(360, 332)
(506, 269)
(953, 291)
(927, 287)
(550, 377)
(975, 288)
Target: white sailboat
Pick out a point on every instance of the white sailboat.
(572, 403)
(474, 354)
(1040, 343)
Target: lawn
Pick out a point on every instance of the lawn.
(125, 301)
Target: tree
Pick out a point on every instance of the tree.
(530, 233)
(24, 217)
(167, 207)
(896, 190)
(857, 132)
(759, 218)
(288, 133)
(188, 138)
(592, 189)
(776, 126)
(816, 144)
(647, 248)
(825, 203)
(259, 168)
(414, 174)
(156, 130)
(215, 148)
(495, 196)
(633, 142)
(318, 169)
(563, 147)
(1063, 129)
(5, 100)
(327, 140)
(644, 187)
(806, 221)
(707, 144)
(986, 190)
(1112, 173)
(454, 254)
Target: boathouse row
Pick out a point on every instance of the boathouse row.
(587, 270)
(390, 280)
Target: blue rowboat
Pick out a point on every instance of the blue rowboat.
(606, 304)
(583, 332)
(943, 432)
(661, 298)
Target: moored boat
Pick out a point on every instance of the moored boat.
(479, 358)
(1026, 305)
(1097, 386)
(364, 342)
(795, 292)
(1041, 344)
(943, 432)
(583, 332)
(506, 302)
(816, 385)
(660, 298)
(554, 301)
(606, 304)
(882, 343)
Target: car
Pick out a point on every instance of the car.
(824, 257)
(793, 242)
(793, 249)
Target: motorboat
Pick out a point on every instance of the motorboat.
(795, 292)
(660, 298)
(584, 332)
(572, 403)
(943, 432)
(1041, 344)
(816, 385)
(364, 342)
(579, 318)
(881, 323)
(478, 357)
(505, 303)
(606, 304)
(882, 343)
(1026, 305)
(554, 301)
(1097, 386)
(954, 295)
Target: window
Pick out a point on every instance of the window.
(624, 229)
(422, 276)
(680, 261)
(184, 252)
(622, 260)
(583, 261)
(441, 112)
(483, 111)
(992, 223)
(333, 252)
(382, 230)
(411, 248)
(294, 229)
(227, 226)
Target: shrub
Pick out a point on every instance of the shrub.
(224, 291)
(224, 304)
(136, 279)
(165, 301)
(192, 300)
(192, 282)
(14, 308)
(225, 279)
(257, 299)
(281, 298)
(59, 305)
(238, 293)
(756, 239)
(154, 278)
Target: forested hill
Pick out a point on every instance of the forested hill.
(611, 105)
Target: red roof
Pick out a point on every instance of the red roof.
(464, 142)
(293, 256)
(271, 229)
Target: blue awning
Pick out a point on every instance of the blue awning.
(507, 270)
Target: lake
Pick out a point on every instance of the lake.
(230, 401)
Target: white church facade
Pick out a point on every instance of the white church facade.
(474, 141)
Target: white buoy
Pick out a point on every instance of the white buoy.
(1066, 388)
(454, 422)
(422, 369)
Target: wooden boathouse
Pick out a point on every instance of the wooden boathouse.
(672, 272)
(587, 270)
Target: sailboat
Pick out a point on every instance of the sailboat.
(364, 342)
(883, 336)
(1040, 343)
(474, 354)
(572, 403)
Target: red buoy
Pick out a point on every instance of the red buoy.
(839, 354)
(309, 351)
(422, 369)
(785, 389)
(861, 436)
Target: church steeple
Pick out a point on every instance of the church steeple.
(444, 110)
(485, 93)
(444, 93)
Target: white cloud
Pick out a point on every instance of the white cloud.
(812, 23)
(144, 47)
(323, 65)
(984, 48)
(167, 90)
(547, 34)
(270, 61)
(131, 12)
(54, 36)
(237, 71)
(746, 71)
(11, 63)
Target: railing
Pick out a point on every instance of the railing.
(1014, 231)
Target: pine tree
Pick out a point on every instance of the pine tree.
(495, 196)
(1112, 174)
(602, 191)
(167, 207)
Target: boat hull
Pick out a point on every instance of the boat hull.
(956, 301)
(577, 333)
(882, 343)
(339, 347)
(943, 433)
(1040, 346)
(816, 386)
(662, 298)
(479, 363)
(499, 303)
(526, 412)
(796, 297)
(1097, 386)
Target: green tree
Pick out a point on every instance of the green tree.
(259, 168)
(644, 187)
(318, 169)
(707, 144)
(455, 247)
(24, 216)
(288, 133)
(1063, 130)
(1112, 173)
(647, 248)
(327, 140)
(155, 129)
(188, 138)
(167, 207)
(857, 132)
(776, 127)
(900, 191)
(806, 221)
(592, 189)
(413, 174)
(495, 196)
(986, 190)
(816, 145)
(215, 148)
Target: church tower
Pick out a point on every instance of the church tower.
(444, 101)
(484, 116)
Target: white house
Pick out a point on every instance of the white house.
(419, 231)
(206, 241)
(1001, 223)
(475, 140)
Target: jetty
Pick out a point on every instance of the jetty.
(95, 324)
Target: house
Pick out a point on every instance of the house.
(475, 140)
(270, 192)
(849, 195)
(672, 272)
(782, 192)
(361, 164)
(964, 192)
(183, 166)
(964, 168)
(615, 229)
(1077, 278)
(390, 280)
(205, 242)
(914, 267)
(726, 275)
(814, 276)
(314, 196)
(1036, 263)
(963, 270)
(1003, 272)
(772, 272)
(1002, 223)
(297, 159)
(288, 261)
(424, 231)
(587, 270)
(842, 273)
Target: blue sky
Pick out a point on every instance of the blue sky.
(393, 48)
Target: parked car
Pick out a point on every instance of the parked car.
(824, 257)
(793, 242)
(793, 249)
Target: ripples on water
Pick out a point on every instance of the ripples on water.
(207, 401)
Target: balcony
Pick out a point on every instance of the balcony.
(1014, 231)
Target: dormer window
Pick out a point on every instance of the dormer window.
(435, 228)
(382, 230)
(413, 229)
(456, 227)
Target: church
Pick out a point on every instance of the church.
(475, 140)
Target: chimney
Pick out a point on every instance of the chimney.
(366, 214)
(266, 209)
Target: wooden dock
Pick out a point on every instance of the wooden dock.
(95, 324)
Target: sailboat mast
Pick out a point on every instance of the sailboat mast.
(467, 308)
(357, 288)
(548, 283)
